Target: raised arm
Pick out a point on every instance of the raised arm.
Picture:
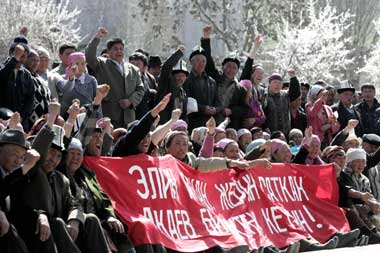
(160, 132)
(247, 70)
(211, 69)
(91, 48)
(139, 131)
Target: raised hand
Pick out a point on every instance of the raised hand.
(207, 30)
(161, 106)
(24, 31)
(101, 92)
(291, 72)
(176, 114)
(14, 121)
(352, 123)
(54, 107)
(31, 158)
(102, 32)
(211, 125)
(258, 41)
(182, 48)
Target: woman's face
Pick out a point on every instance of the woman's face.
(219, 136)
(314, 149)
(339, 159)
(232, 151)
(283, 155)
(81, 66)
(179, 147)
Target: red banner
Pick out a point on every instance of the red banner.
(164, 201)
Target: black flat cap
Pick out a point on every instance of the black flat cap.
(373, 139)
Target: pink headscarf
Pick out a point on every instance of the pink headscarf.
(72, 59)
(317, 160)
(247, 84)
(75, 57)
(277, 144)
(223, 143)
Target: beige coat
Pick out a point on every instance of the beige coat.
(127, 85)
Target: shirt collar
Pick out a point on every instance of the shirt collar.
(82, 78)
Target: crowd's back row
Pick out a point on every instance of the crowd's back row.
(90, 105)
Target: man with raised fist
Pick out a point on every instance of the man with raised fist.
(127, 89)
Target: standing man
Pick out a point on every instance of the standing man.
(202, 88)
(150, 85)
(16, 83)
(346, 109)
(64, 52)
(127, 89)
(367, 108)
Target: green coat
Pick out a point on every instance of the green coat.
(101, 203)
(127, 85)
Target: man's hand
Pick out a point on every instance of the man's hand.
(209, 110)
(291, 72)
(125, 103)
(31, 158)
(24, 31)
(14, 121)
(352, 123)
(73, 227)
(258, 41)
(182, 48)
(43, 227)
(102, 32)
(54, 108)
(207, 30)
(4, 224)
(161, 106)
(101, 92)
(227, 112)
(19, 52)
(262, 162)
(211, 125)
(73, 111)
(176, 114)
(116, 225)
(365, 196)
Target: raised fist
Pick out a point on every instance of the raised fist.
(102, 32)
(207, 30)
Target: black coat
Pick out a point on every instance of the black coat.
(127, 145)
(204, 89)
(166, 85)
(369, 117)
(345, 116)
(17, 92)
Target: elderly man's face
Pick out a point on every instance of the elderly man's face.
(53, 158)
(198, 63)
(11, 156)
(32, 63)
(44, 64)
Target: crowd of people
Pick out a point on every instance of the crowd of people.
(94, 104)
